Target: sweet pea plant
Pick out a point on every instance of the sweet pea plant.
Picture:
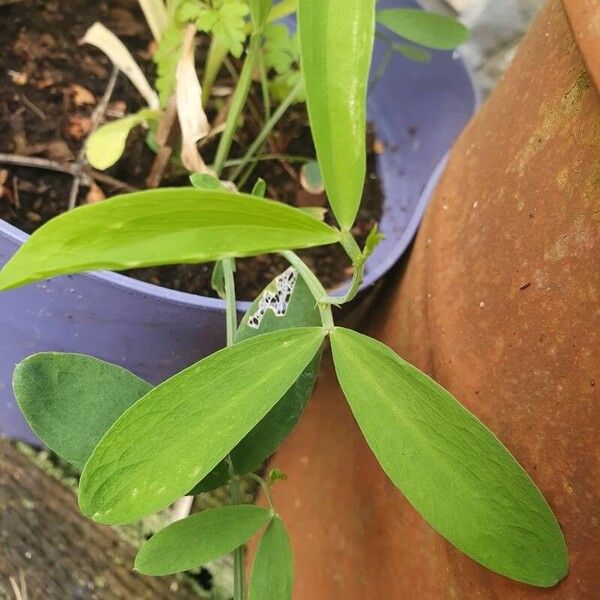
(143, 447)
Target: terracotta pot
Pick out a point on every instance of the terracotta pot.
(499, 301)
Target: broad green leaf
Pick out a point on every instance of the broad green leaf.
(107, 144)
(71, 400)
(175, 435)
(267, 436)
(198, 539)
(428, 29)
(273, 570)
(449, 466)
(336, 44)
(162, 227)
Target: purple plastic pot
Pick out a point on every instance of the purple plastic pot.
(417, 109)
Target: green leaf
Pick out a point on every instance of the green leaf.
(282, 9)
(175, 435)
(71, 400)
(206, 182)
(301, 311)
(373, 240)
(267, 436)
(428, 29)
(161, 227)
(198, 539)
(273, 570)
(260, 11)
(107, 144)
(336, 44)
(217, 279)
(260, 188)
(166, 58)
(449, 466)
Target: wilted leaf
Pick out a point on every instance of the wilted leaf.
(101, 37)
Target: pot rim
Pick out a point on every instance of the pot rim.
(586, 31)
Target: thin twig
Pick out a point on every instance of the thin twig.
(33, 108)
(163, 134)
(16, 197)
(109, 180)
(96, 118)
(41, 163)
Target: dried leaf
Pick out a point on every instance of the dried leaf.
(81, 96)
(99, 36)
(94, 195)
(192, 118)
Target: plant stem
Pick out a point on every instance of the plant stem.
(265, 488)
(234, 483)
(358, 263)
(314, 285)
(234, 162)
(214, 61)
(264, 86)
(230, 307)
(266, 130)
(239, 100)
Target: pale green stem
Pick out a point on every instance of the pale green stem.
(266, 130)
(314, 285)
(264, 86)
(234, 483)
(237, 105)
(265, 487)
(358, 263)
(291, 158)
(214, 61)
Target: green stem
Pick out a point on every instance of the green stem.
(266, 489)
(237, 105)
(385, 62)
(358, 263)
(230, 304)
(214, 61)
(264, 86)
(266, 130)
(239, 578)
(291, 158)
(314, 285)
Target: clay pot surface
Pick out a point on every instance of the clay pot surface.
(500, 303)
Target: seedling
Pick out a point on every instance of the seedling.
(141, 448)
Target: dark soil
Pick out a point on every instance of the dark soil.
(48, 87)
